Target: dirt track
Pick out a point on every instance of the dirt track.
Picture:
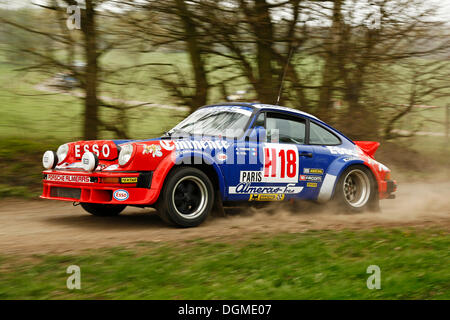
(52, 226)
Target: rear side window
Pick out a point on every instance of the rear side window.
(320, 135)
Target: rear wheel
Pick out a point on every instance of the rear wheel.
(187, 197)
(356, 189)
(103, 210)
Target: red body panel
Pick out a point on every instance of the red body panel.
(379, 170)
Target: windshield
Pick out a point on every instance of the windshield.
(215, 121)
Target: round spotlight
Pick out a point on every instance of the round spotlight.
(49, 159)
(89, 161)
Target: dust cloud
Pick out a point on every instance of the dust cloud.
(42, 226)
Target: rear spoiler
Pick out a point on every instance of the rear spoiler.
(369, 147)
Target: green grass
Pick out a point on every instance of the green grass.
(313, 265)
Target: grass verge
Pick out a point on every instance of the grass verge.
(313, 265)
(21, 166)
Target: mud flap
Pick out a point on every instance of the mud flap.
(217, 209)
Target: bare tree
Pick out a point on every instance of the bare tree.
(57, 49)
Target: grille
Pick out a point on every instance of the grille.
(59, 192)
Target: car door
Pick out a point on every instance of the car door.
(294, 159)
(243, 174)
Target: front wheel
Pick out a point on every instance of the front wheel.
(187, 197)
(103, 210)
(356, 189)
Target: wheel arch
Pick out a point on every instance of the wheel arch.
(197, 160)
(334, 173)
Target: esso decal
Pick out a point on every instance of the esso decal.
(121, 195)
(281, 163)
(103, 151)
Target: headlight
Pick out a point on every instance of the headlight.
(62, 152)
(125, 154)
(49, 159)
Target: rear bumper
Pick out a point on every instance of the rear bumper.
(93, 190)
(387, 188)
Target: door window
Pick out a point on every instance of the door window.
(281, 129)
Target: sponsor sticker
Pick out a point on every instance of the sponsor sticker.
(251, 176)
(129, 180)
(221, 157)
(152, 149)
(310, 178)
(68, 178)
(102, 151)
(167, 145)
(342, 151)
(312, 171)
(248, 188)
(311, 185)
(121, 195)
(266, 197)
(200, 145)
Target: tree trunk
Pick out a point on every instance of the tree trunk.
(267, 89)
(195, 54)
(90, 126)
(329, 69)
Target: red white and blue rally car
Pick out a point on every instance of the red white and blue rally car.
(220, 153)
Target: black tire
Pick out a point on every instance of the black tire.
(356, 190)
(187, 197)
(103, 210)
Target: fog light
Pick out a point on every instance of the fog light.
(89, 161)
(49, 159)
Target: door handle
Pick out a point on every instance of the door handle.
(306, 154)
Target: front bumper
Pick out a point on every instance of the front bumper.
(94, 188)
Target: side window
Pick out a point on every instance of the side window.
(281, 129)
(319, 135)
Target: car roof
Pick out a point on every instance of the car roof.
(271, 107)
(262, 106)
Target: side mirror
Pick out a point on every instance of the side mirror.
(258, 134)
